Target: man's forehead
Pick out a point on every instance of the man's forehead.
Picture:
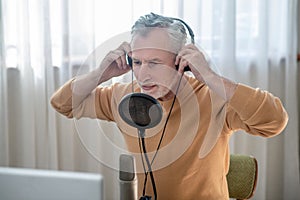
(156, 38)
(151, 54)
(151, 50)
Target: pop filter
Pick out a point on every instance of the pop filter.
(140, 110)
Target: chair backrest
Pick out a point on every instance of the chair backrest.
(242, 176)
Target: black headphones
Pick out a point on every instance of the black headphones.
(191, 33)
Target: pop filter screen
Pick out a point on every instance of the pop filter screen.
(140, 110)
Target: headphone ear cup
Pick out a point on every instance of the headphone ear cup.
(186, 69)
(129, 60)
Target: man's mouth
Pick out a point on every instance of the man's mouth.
(148, 88)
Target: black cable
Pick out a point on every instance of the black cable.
(160, 141)
(149, 168)
(132, 80)
(163, 133)
(142, 158)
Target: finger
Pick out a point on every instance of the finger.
(123, 60)
(187, 49)
(120, 52)
(119, 63)
(191, 46)
(182, 55)
(119, 57)
(177, 60)
(126, 47)
(183, 63)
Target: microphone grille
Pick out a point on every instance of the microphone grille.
(127, 169)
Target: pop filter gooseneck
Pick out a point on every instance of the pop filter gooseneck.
(142, 112)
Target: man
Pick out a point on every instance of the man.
(193, 158)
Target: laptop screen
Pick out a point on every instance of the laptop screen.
(33, 184)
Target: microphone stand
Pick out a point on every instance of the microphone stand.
(141, 133)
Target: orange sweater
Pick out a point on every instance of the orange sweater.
(182, 170)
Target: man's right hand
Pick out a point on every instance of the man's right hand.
(114, 64)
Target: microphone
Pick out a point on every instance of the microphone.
(127, 178)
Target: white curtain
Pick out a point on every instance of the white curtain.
(44, 43)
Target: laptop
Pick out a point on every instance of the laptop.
(34, 184)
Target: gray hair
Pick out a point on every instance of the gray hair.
(174, 28)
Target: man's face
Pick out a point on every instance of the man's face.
(153, 64)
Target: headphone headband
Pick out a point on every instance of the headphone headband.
(187, 27)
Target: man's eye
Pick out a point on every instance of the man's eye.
(137, 62)
(151, 64)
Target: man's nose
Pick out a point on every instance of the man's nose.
(144, 72)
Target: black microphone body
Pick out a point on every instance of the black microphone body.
(127, 178)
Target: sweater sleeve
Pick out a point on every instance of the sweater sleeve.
(61, 100)
(256, 111)
(95, 105)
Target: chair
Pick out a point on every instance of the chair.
(242, 176)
